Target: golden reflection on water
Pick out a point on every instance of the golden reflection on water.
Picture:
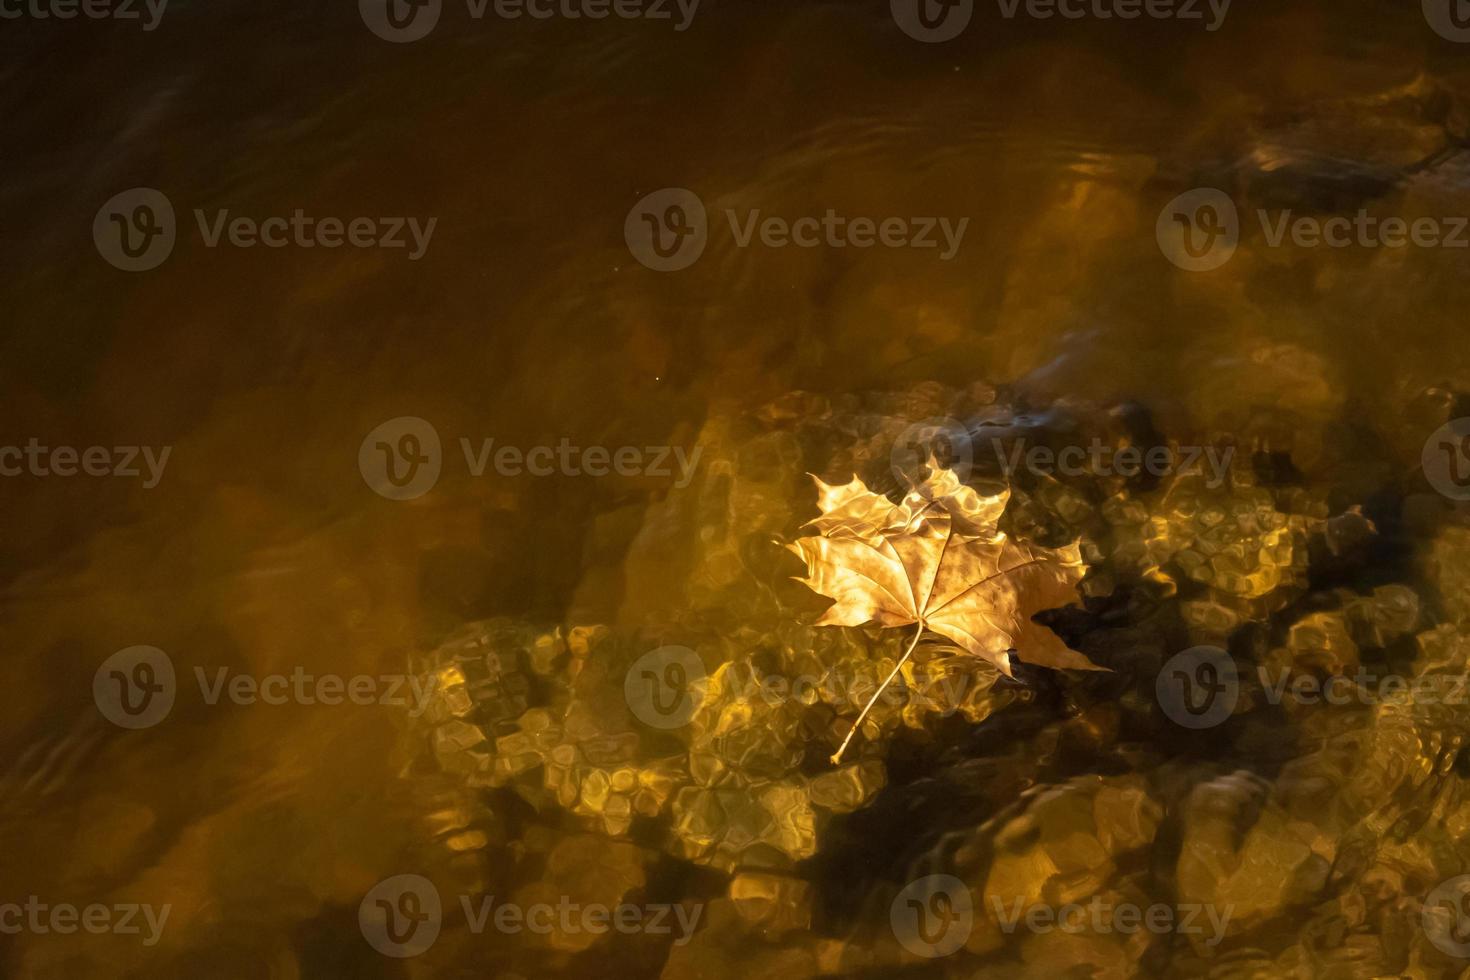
(527, 320)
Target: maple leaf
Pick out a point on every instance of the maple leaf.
(938, 560)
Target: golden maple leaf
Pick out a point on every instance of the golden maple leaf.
(938, 560)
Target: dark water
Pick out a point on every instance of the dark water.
(528, 319)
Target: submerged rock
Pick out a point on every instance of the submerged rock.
(1304, 830)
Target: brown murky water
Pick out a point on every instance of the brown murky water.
(1301, 837)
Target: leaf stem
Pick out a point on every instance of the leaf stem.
(837, 756)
